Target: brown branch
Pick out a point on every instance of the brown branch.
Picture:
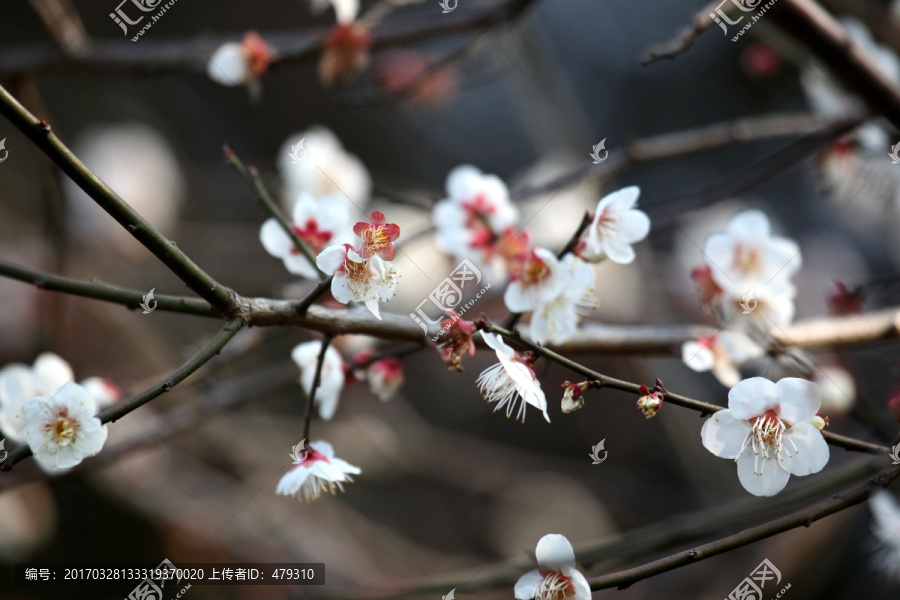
(700, 22)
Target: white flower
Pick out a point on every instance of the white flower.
(356, 279)
(319, 223)
(767, 430)
(324, 168)
(239, 63)
(616, 226)
(886, 511)
(62, 431)
(320, 472)
(511, 382)
(723, 353)
(20, 383)
(537, 279)
(474, 215)
(345, 11)
(556, 577)
(331, 381)
(556, 320)
(385, 377)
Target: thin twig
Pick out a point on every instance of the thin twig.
(314, 294)
(700, 22)
(311, 400)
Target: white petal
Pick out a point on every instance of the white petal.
(274, 239)
(807, 449)
(520, 298)
(749, 225)
(753, 397)
(324, 447)
(738, 347)
(341, 290)
(463, 182)
(582, 588)
(496, 342)
(331, 258)
(633, 226)
(298, 264)
(345, 467)
(228, 66)
(617, 250)
(800, 400)
(305, 208)
(526, 586)
(554, 551)
(620, 200)
(52, 372)
(723, 434)
(698, 356)
(769, 482)
(291, 482)
(372, 305)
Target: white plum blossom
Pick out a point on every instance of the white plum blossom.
(318, 222)
(556, 320)
(767, 431)
(511, 382)
(537, 279)
(357, 279)
(474, 215)
(616, 226)
(243, 63)
(20, 383)
(723, 354)
(62, 430)
(556, 577)
(314, 162)
(332, 378)
(385, 377)
(321, 471)
(886, 511)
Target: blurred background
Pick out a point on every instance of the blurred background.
(450, 494)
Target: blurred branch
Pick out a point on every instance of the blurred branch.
(290, 48)
(876, 17)
(116, 412)
(804, 518)
(165, 250)
(703, 408)
(317, 379)
(62, 20)
(685, 38)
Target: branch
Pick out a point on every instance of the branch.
(317, 379)
(805, 518)
(704, 408)
(685, 38)
(165, 250)
(114, 413)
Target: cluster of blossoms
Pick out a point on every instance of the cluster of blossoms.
(746, 274)
(42, 406)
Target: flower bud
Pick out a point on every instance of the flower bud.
(650, 402)
(573, 398)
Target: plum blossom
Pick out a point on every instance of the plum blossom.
(617, 224)
(556, 577)
(20, 383)
(649, 401)
(321, 471)
(331, 382)
(62, 430)
(315, 162)
(537, 279)
(242, 63)
(556, 319)
(377, 236)
(767, 431)
(317, 222)
(573, 397)
(511, 382)
(346, 52)
(886, 512)
(722, 353)
(473, 216)
(385, 376)
(357, 279)
(458, 342)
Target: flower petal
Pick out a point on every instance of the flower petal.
(52, 372)
(633, 226)
(698, 356)
(723, 434)
(805, 450)
(753, 397)
(768, 482)
(527, 585)
(331, 258)
(554, 551)
(800, 400)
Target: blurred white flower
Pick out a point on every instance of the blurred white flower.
(723, 354)
(385, 377)
(20, 383)
(243, 63)
(767, 431)
(556, 577)
(886, 512)
(616, 226)
(838, 389)
(62, 430)
(326, 170)
(319, 223)
(345, 11)
(321, 471)
(556, 320)
(512, 381)
(356, 279)
(332, 378)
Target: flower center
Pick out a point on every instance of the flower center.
(746, 260)
(374, 238)
(531, 270)
(767, 433)
(357, 271)
(554, 586)
(64, 430)
(310, 233)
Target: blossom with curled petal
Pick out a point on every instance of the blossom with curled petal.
(723, 354)
(357, 279)
(511, 383)
(321, 471)
(556, 577)
(385, 375)
(62, 430)
(332, 378)
(767, 430)
(617, 224)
